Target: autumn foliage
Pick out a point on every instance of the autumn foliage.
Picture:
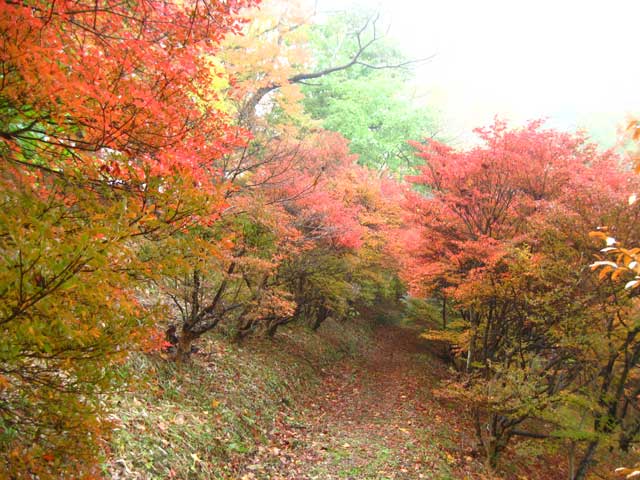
(137, 193)
(160, 179)
(504, 237)
(109, 139)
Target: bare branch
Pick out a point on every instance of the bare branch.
(248, 110)
(397, 65)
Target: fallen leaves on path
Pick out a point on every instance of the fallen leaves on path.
(374, 418)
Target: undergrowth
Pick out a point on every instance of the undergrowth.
(204, 419)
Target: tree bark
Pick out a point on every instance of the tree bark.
(472, 344)
(183, 348)
(585, 463)
(322, 315)
(444, 312)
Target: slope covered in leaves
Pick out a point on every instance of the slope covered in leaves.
(348, 402)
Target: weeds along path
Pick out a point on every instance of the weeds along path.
(373, 418)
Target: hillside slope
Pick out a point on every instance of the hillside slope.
(349, 402)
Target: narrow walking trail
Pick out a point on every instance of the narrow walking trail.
(376, 418)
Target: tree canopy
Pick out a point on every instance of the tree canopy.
(175, 171)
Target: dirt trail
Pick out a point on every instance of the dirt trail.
(373, 419)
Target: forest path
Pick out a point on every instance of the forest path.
(372, 418)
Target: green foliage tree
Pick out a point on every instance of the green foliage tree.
(62, 323)
(370, 103)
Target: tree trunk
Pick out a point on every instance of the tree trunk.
(244, 330)
(496, 441)
(271, 330)
(496, 438)
(183, 349)
(572, 460)
(323, 314)
(628, 435)
(585, 463)
(472, 344)
(444, 312)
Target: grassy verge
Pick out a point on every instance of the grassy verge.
(204, 420)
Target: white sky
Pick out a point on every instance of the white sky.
(575, 62)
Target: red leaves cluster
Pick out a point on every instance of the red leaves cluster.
(327, 196)
(109, 131)
(119, 86)
(485, 200)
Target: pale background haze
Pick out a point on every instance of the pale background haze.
(575, 63)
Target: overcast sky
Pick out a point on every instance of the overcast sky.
(575, 62)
